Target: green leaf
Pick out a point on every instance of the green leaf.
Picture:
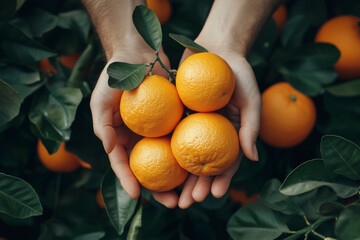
(21, 48)
(9, 101)
(37, 22)
(119, 206)
(125, 76)
(274, 199)
(314, 11)
(348, 222)
(255, 221)
(294, 31)
(309, 67)
(341, 156)
(148, 25)
(77, 78)
(322, 195)
(135, 226)
(78, 21)
(347, 89)
(25, 82)
(91, 236)
(187, 43)
(330, 208)
(18, 199)
(312, 175)
(53, 111)
(62, 105)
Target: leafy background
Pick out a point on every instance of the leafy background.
(309, 191)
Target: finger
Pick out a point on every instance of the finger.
(168, 199)
(102, 104)
(187, 53)
(250, 126)
(120, 165)
(221, 183)
(186, 198)
(202, 188)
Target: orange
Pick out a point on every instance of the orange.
(68, 61)
(61, 161)
(162, 9)
(205, 82)
(240, 196)
(154, 165)
(344, 33)
(153, 108)
(205, 144)
(287, 116)
(99, 199)
(280, 16)
(84, 164)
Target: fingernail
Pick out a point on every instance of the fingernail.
(255, 153)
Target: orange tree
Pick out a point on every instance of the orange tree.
(297, 198)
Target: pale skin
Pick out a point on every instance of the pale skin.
(229, 32)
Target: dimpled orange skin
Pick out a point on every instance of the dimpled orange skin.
(154, 166)
(280, 16)
(162, 9)
(284, 122)
(205, 144)
(344, 33)
(205, 82)
(153, 109)
(61, 161)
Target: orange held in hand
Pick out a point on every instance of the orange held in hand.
(61, 161)
(153, 108)
(154, 165)
(205, 144)
(205, 82)
(162, 9)
(344, 33)
(287, 116)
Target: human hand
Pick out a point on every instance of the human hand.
(117, 139)
(243, 111)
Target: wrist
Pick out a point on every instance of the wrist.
(233, 25)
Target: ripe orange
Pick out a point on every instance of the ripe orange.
(205, 82)
(240, 196)
(287, 116)
(61, 161)
(67, 60)
(84, 164)
(99, 199)
(344, 33)
(162, 9)
(205, 144)
(153, 108)
(280, 16)
(154, 165)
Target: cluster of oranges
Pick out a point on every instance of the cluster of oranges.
(204, 143)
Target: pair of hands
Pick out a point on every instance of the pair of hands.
(243, 111)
